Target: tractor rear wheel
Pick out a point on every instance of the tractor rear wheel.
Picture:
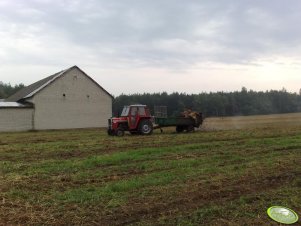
(146, 127)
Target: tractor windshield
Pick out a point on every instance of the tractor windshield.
(125, 111)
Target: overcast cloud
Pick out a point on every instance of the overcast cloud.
(131, 46)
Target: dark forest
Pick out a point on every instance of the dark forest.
(243, 102)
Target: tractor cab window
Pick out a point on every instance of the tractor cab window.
(134, 111)
(134, 116)
(125, 111)
(141, 111)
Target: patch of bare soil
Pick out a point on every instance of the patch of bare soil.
(195, 195)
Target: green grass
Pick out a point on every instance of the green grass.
(202, 178)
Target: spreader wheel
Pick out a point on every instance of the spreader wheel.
(179, 129)
(190, 128)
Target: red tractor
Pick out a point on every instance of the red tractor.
(134, 118)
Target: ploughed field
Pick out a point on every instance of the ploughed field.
(247, 122)
(84, 177)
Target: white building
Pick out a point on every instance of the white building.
(68, 99)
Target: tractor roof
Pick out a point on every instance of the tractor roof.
(137, 105)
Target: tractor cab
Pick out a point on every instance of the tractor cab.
(133, 118)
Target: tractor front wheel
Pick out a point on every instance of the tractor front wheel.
(146, 127)
(119, 132)
(110, 132)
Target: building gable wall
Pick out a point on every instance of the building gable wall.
(71, 101)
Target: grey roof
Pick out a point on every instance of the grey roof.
(13, 105)
(34, 88)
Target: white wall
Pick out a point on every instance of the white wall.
(85, 105)
(15, 119)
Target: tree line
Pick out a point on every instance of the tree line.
(244, 102)
(7, 90)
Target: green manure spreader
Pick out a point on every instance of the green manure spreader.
(181, 123)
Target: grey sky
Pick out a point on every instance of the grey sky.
(131, 46)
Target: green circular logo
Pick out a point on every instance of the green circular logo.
(282, 214)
